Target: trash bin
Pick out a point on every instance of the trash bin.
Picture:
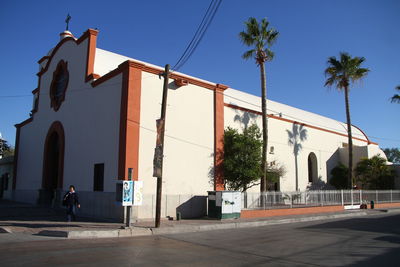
(372, 204)
(224, 204)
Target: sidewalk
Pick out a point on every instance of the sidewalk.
(33, 220)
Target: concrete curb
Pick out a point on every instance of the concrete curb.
(235, 225)
(141, 231)
(5, 230)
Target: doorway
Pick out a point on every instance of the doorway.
(53, 165)
(312, 168)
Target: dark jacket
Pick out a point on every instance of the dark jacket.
(70, 199)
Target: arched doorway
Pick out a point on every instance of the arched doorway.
(53, 164)
(312, 168)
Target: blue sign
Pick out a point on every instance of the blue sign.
(127, 193)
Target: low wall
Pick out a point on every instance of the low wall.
(100, 205)
(93, 204)
(385, 205)
(26, 196)
(284, 212)
(103, 205)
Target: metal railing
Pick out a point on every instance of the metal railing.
(297, 199)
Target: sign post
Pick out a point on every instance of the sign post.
(127, 197)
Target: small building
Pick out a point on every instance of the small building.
(94, 116)
(6, 177)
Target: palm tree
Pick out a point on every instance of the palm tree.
(258, 36)
(341, 73)
(396, 97)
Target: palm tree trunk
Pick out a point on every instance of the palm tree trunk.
(263, 184)
(296, 166)
(350, 138)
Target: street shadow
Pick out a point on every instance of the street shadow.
(370, 224)
(389, 258)
(295, 137)
(387, 227)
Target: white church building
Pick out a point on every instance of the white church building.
(94, 116)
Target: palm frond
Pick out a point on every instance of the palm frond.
(260, 37)
(246, 38)
(249, 54)
(358, 74)
(395, 98)
(343, 70)
(269, 54)
(272, 36)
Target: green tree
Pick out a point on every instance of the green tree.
(260, 37)
(242, 158)
(274, 172)
(341, 73)
(396, 97)
(5, 148)
(393, 155)
(339, 176)
(374, 173)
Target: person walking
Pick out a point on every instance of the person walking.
(71, 201)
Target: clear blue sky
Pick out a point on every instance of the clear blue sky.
(158, 32)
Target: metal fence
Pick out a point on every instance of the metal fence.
(276, 200)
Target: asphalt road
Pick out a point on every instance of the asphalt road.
(362, 241)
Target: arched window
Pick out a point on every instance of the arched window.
(312, 168)
(59, 85)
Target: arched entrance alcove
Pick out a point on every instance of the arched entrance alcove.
(53, 164)
(312, 168)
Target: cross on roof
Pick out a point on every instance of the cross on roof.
(67, 21)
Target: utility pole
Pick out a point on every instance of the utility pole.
(160, 146)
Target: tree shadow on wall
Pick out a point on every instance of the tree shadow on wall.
(295, 138)
(244, 118)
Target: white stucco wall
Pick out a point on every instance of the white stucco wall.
(91, 120)
(325, 145)
(90, 117)
(189, 139)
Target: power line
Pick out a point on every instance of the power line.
(109, 85)
(14, 96)
(199, 34)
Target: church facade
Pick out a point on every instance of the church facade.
(94, 116)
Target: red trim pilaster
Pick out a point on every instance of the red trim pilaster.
(91, 53)
(130, 120)
(219, 136)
